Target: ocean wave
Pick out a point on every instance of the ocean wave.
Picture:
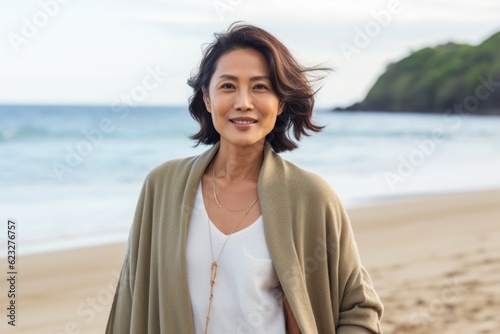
(10, 135)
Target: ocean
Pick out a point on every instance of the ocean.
(71, 175)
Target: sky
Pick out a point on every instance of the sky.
(141, 52)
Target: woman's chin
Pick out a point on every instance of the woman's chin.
(243, 142)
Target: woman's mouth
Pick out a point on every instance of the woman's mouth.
(243, 123)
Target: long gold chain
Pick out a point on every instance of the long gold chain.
(213, 267)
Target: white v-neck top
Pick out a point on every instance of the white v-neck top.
(247, 294)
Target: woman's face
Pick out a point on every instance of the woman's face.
(241, 100)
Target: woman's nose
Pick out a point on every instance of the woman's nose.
(244, 101)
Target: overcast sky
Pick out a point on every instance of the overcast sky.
(97, 52)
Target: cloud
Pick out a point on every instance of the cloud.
(93, 47)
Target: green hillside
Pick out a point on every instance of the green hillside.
(436, 79)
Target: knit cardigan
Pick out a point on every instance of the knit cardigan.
(307, 232)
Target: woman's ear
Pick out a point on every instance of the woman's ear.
(281, 107)
(206, 99)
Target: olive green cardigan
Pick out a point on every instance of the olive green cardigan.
(307, 231)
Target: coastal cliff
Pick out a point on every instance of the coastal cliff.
(457, 77)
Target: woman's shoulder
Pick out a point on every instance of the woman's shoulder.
(296, 188)
(170, 168)
(306, 182)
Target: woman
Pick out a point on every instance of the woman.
(238, 240)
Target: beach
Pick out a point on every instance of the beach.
(434, 260)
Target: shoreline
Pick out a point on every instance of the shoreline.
(366, 202)
(433, 260)
(100, 238)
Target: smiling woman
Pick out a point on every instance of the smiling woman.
(240, 99)
(239, 240)
(279, 74)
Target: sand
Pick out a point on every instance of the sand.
(434, 260)
(65, 292)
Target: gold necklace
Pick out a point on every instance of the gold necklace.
(213, 268)
(219, 204)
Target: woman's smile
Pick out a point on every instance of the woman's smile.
(241, 100)
(243, 123)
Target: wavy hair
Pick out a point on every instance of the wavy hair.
(289, 81)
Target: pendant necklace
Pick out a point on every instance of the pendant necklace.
(213, 268)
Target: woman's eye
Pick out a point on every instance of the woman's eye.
(227, 86)
(260, 86)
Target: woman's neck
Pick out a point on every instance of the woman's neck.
(236, 164)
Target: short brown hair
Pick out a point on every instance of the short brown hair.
(288, 80)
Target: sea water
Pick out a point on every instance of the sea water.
(71, 175)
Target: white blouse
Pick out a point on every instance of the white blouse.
(247, 294)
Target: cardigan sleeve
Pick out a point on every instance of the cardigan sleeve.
(121, 309)
(360, 308)
(126, 315)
